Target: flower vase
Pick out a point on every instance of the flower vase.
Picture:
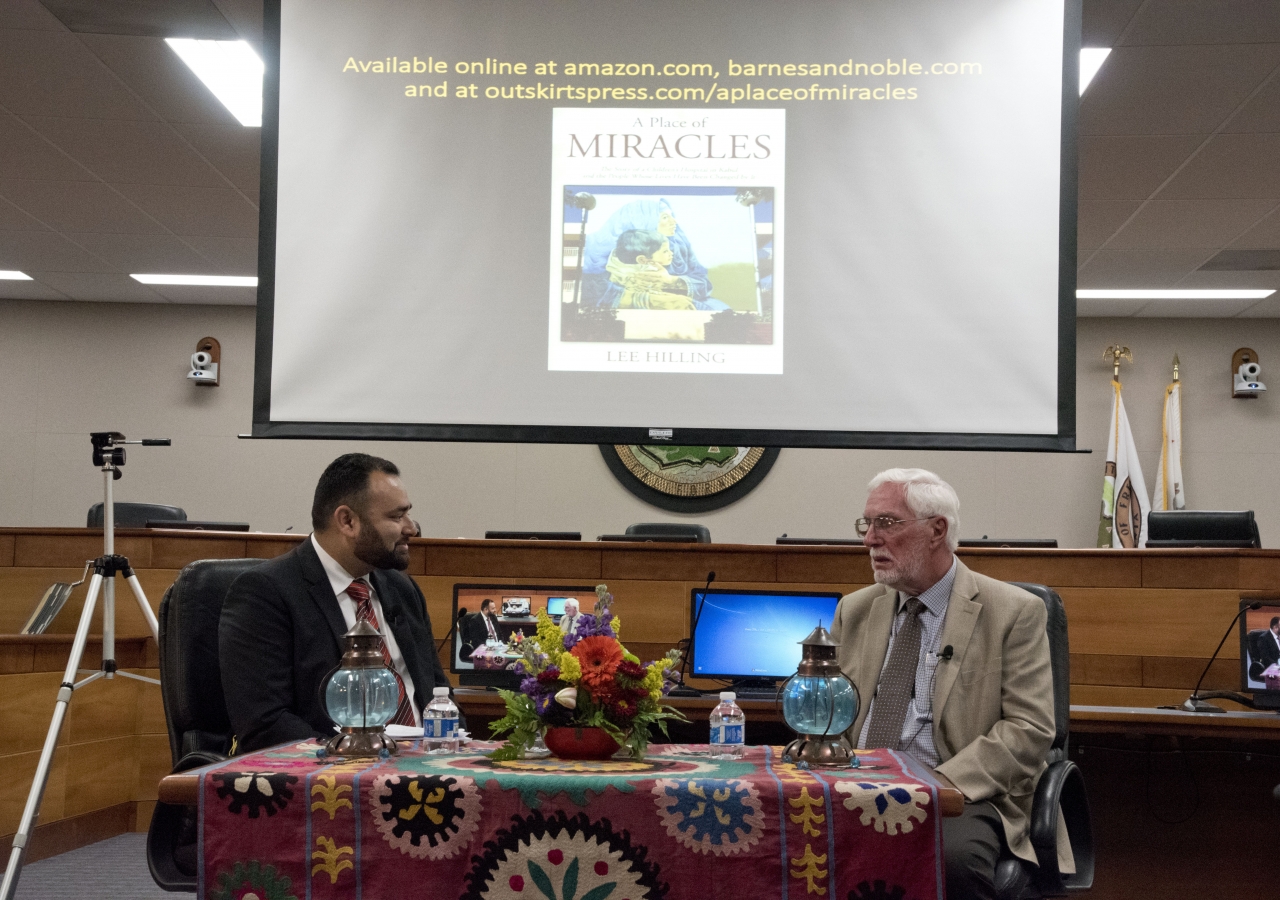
(581, 743)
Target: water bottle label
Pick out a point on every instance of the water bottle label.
(726, 734)
(439, 728)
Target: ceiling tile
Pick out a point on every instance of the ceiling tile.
(216, 296)
(1264, 309)
(1104, 20)
(159, 77)
(1203, 22)
(1239, 260)
(1266, 234)
(24, 153)
(45, 251)
(1203, 279)
(139, 253)
(1189, 224)
(98, 286)
(1090, 308)
(1193, 309)
(1139, 268)
(78, 206)
(210, 212)
(1262, 113)
(1173, 90)
(50, 73)
(28, 290)
(171, 18)
(28, 14)
(245, 17)
(1098, 220)
(129, 152)
(227, 256)
(1130, 166)
(1238, 166)
(14, 219)
(233, 150)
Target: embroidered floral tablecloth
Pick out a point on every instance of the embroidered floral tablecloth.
(283, 824)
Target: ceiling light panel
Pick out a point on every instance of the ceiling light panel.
(1170, 294)
(13, 275)
(231, 70)
(206, 280)
(1091, 60)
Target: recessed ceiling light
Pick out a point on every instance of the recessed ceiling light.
(228, 68)
(208, 280)
(1091, 59)
(13, 275)
(1162, 294)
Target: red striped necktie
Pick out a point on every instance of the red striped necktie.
(359, 592)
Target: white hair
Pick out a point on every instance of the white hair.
(927, 495)
(572, 601)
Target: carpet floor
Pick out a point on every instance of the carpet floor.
(114, 869)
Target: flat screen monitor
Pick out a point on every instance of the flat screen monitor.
(1260, 653)
(754, 635)
(479, 659)
(723, 223)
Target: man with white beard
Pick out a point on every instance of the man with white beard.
(952, 667)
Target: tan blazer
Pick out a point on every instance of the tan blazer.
(992, 701)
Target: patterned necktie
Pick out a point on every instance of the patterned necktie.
(359, 592)
(896, 682)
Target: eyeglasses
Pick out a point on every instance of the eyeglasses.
(884, 523)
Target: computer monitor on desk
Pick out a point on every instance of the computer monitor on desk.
(1260, 653)
(753, 637)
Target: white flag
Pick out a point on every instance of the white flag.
(1124, 490)
(1169, 489)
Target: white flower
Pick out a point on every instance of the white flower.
(568, 698)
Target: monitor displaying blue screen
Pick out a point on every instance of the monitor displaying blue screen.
(755, 634)
(555, 606)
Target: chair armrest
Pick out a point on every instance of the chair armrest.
(172, 835)
(1062, 788)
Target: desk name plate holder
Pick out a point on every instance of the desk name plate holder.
(108, 455)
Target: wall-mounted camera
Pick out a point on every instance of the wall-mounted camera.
(204, 362)
(1245, 380)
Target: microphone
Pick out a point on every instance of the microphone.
(462, 614)
(946, 654)
(1195, 703)
(581, 200)
(682, 690)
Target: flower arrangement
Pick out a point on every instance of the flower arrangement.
(586, 679)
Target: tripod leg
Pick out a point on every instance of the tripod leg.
(29, 813)
(142, 602)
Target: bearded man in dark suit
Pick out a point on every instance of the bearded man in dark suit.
(282, 623)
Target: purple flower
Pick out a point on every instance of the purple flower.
(570, 641)
(518, 667)
(542, 703)
(529, 685)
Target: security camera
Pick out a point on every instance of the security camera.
(203, 369)
(1246, 383)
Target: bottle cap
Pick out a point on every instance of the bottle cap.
(728, 696)
(441, 692)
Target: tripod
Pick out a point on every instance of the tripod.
(108, 455)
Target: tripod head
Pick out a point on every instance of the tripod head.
(108, 452)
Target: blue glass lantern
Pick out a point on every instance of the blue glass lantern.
(819, 703)
(361, 696)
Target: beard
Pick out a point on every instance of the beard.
(907, 570)
(371, 550)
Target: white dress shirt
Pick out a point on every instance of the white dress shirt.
(339, 580)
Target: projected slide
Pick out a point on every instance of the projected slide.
(730, 222)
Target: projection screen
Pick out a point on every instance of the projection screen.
(845, 223)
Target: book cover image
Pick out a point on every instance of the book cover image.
(666, 251)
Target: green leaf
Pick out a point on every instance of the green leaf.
(570, 886)
(599, 893)
(541, 880)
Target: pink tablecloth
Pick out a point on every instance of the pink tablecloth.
(282, 824)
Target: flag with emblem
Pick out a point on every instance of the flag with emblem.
(1124, 490)
(1169, 492)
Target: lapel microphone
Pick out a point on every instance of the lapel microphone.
(946, 654)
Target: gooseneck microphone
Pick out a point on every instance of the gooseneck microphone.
(1195, 703)
(682, 690)
(462, 614)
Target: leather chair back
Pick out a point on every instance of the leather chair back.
(190, 678)
(136, 515)
(1060, 660)
(695, 534)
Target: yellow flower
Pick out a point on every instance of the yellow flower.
(549, 637)
(616, 624)
(570, 668)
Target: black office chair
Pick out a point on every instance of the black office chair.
(191, 687)
(1060, 787)
(137, 515)
(694, 534)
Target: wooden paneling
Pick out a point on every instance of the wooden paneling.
(1190, 569)
(176, 552)
(523, 559)
(691, 564)
(823, 565)
(100, 774)
(6, 549)
(1094, 668)
(1183, 672)
(63, 835)
(26, 709)
(19, 770)
(1260, 572)
(1059, 569)
(105, 709)
(271, 547)
(1149, 697)
(1148, 622)
(70, 550)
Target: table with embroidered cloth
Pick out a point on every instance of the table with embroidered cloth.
(282, 824)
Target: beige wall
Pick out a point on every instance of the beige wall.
(70, 368)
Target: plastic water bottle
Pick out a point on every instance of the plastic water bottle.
(728, 728)
(440, 723)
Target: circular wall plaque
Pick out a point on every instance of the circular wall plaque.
(688, 479)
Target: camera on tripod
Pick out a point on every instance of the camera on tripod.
(108, 452)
